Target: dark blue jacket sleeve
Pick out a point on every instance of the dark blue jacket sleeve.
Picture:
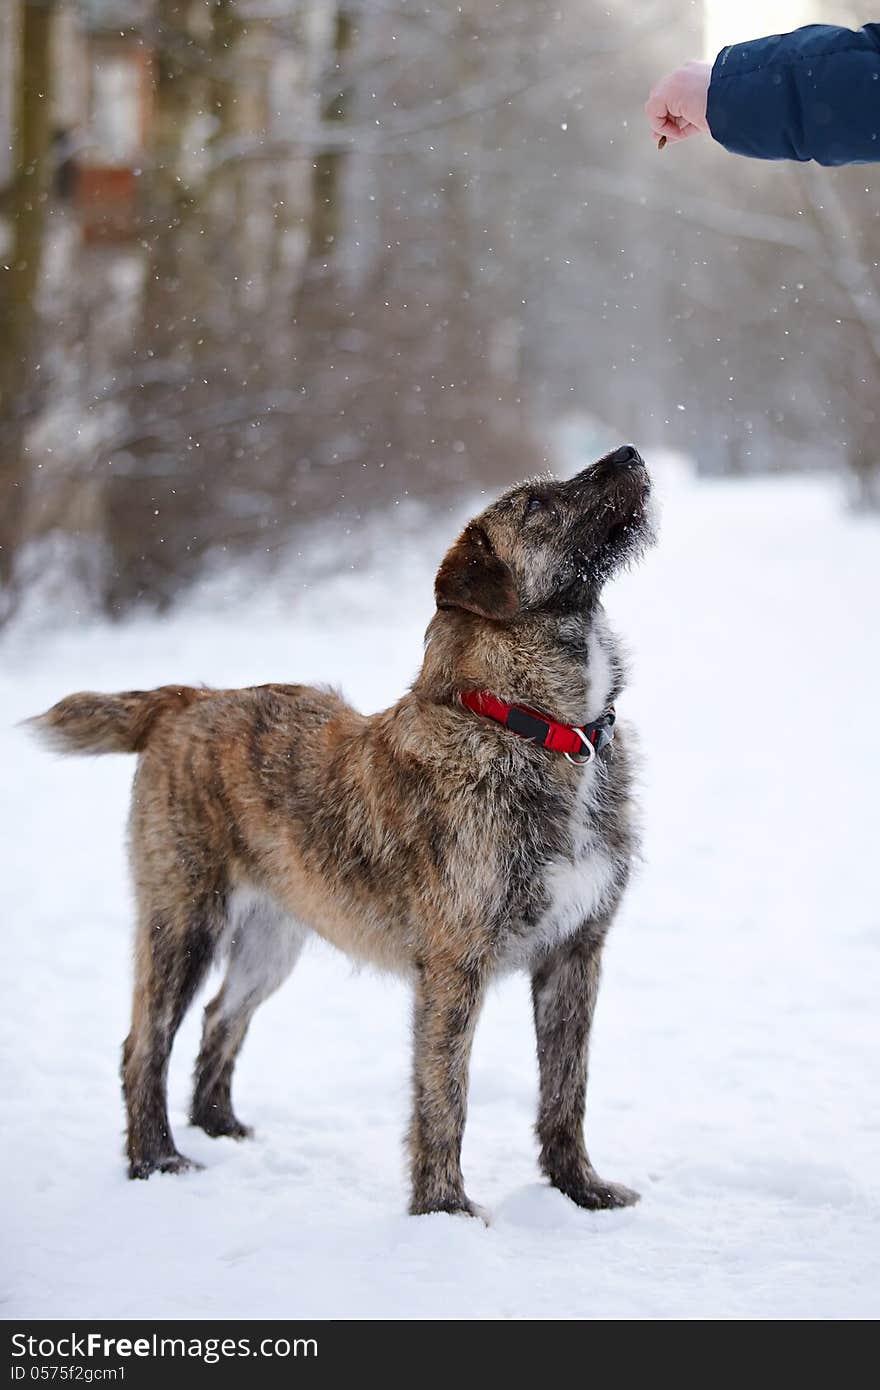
(811, 94)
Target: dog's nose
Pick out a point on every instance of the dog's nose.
(627, 457)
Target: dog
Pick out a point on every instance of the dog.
(483, 823)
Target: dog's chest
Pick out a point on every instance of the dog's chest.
(580, 878)
(579, 884)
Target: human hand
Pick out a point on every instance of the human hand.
(676, 107)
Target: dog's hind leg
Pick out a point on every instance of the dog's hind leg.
(173, 952)
(263, 944)
(564, 990)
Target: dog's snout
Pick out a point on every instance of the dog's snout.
(627, 457)
(605, 469)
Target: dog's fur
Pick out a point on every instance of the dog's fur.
(426, 839)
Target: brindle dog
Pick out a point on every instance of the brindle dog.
(427, 839)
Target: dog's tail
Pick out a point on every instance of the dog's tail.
(92, 723)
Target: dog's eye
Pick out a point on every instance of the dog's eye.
(539, 506)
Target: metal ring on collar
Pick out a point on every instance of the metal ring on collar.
(588, 754)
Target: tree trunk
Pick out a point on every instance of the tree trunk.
(329, 163)
(27, 207)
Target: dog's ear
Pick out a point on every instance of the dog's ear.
(473, 577)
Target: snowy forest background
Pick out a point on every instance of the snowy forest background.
(266, 264)
(285, 284)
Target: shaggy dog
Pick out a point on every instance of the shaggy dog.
(481, 824)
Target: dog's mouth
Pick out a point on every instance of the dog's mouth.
(617, 529)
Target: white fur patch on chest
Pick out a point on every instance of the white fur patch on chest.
(579, 886)
(600, 674)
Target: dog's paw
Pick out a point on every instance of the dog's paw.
(452, 1206)
(168, 1163)
(218, 1125)
(481, 1213)
(593, 1193)
(179, 1163)
(235, 1130)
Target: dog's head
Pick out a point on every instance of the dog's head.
(550, 546)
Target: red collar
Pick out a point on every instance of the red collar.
(579, 742)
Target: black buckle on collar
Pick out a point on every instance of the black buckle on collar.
(601, 733)
(596, 737)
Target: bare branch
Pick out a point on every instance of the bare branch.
(717, 217)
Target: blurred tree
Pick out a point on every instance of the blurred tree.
(327, 179)
(854, 276)
(25, 208)
(384, 250)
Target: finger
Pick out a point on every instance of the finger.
(675, 132)
(661, 125)
(656, 105)
(667, 131)
(657, 112)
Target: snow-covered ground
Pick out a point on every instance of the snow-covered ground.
(737, 1043)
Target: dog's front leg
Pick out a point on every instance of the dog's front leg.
(564, 990)
(448, 999)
